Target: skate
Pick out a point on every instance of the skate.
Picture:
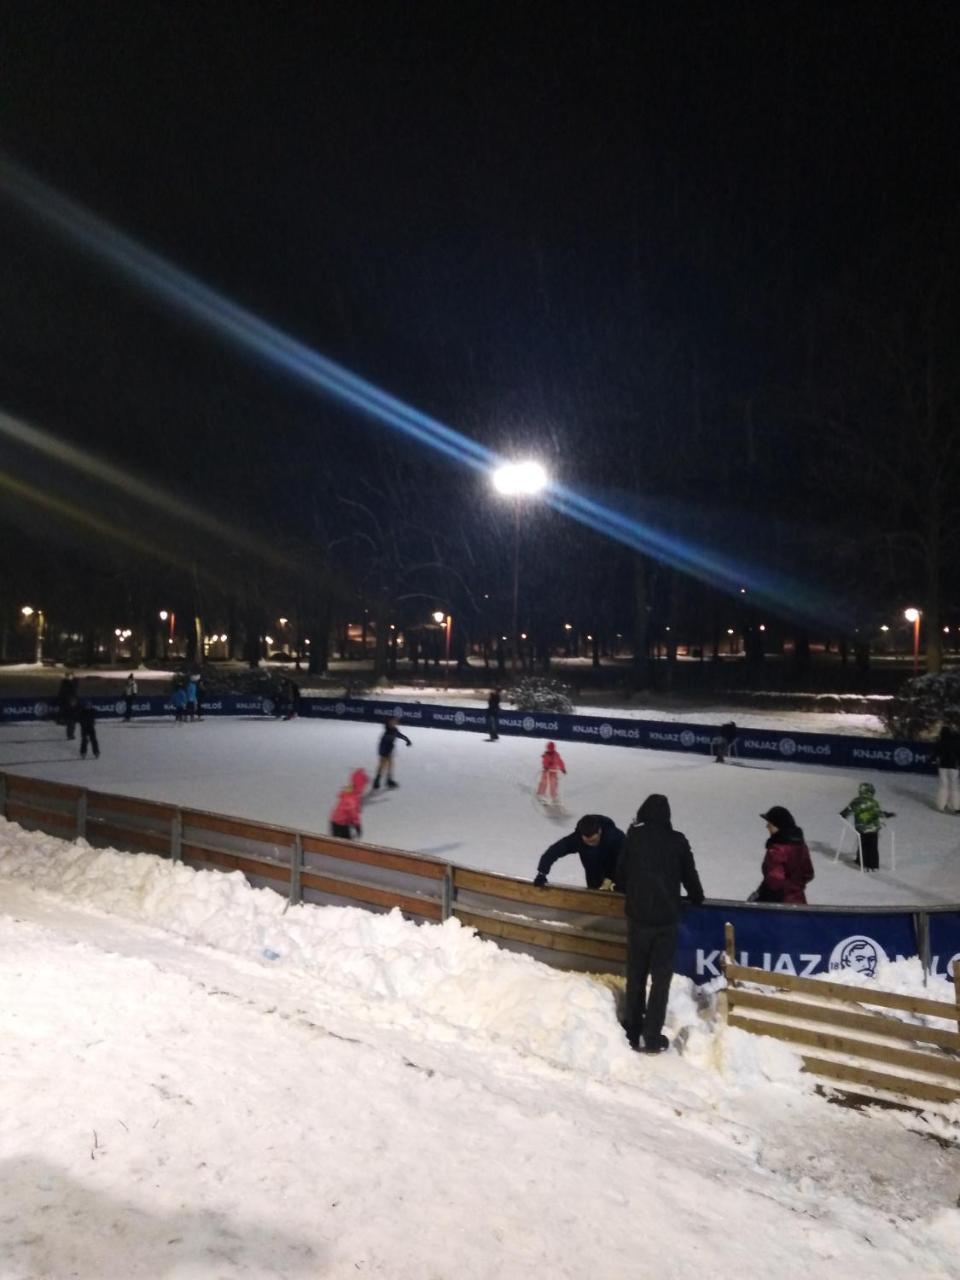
(392, 785)
(376, 784)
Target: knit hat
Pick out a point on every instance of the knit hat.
(779, 817)
(867, 789)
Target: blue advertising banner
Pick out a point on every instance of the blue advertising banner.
(944, 942)
(791, 940)
(656, 735)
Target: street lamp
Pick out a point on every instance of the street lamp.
(28, 612)
(441, 618)
(518, 480)
(913, 615)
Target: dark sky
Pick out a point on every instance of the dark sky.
(506, 213)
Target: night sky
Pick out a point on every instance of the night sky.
(626, 238)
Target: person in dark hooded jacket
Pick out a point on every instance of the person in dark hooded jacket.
(598, 841)
(654, 863)
(787, 868)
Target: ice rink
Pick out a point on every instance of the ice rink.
(471, 802)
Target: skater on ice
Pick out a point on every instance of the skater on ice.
(598, 841)
(867, 816)
(345, 818)
(551, 766)
(129, 693)
(947, 757)
(787, 869)
(493, 714)
(388, 741)
(87, 719)
(178, 700)
(655, 862)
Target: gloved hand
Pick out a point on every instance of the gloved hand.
(755, 896)
(889, 815)
(607, 885)
(540, 880)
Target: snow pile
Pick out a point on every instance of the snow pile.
(434, 976)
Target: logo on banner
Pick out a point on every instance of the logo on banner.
(787, 747)
(398, 712)
(688, 738)
(606, 731)
(859, 954)
(459, 718)
(903, 756)
(267, 705)
(529, 724)
(39, 710)
(340, 708)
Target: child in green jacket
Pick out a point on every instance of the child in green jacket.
(867, 815)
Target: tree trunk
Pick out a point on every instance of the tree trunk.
(641, 625)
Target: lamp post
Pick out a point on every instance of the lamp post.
(28, 612)
(913, 615)
(518, 480)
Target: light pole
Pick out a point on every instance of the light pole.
(28, 612)
(518, 480)
(913, 615)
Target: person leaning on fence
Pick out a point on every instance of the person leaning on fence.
(947, 756)
(867, 816)
(787, 868)
(598, 841)
(655, 862)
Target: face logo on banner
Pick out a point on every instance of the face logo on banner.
(459, 718)
(398, 712)
(859, 953)
(529, 724)
(340, 708)
(39, 710)
(268, 706)
(788, 747)
(688, 738)
(903, 756)
(606, 732)
(119, 708)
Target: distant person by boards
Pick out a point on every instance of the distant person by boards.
(723, 742)
(191, 692)
(129, 693)
(551, 766)
(67, 704)
(655, 863)
(179, 701)
(948, 763)
(787, 868)
(868, 817)
(598, 841)
(345, 817)
(388, 741)
(493, 714)
(87, 719)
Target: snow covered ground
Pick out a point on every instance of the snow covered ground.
(409, 1102)
(471, 801)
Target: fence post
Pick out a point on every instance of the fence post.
(296, 863)
(446, 893)
(3, 795)
(176, 836)
(82, 815)
(729, 944)
(923, 940)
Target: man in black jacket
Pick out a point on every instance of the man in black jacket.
(654, 862)
(597, 840)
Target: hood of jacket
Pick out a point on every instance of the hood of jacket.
(358, 780)
(655, 808)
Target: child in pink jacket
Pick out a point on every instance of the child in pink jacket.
(346, 812)
(551, 765)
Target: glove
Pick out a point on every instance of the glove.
(607, 885)
(755, 896)
(540, 880)
(889, 815)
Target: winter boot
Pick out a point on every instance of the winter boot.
(659, 1044)
(376, 784)
(392, 785)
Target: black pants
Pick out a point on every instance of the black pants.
(89, 735)
(129, 709)
(871, 853)
(71, 722)
(650, 954)
(340, 829)
(493, 725)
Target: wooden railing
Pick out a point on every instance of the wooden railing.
(831, 1018)
(568, 928)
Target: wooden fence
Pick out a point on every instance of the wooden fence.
(849, 1043)
(569, 928)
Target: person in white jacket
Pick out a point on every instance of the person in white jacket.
(129, 693)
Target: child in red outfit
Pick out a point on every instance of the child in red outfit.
(346, 812)
(551, 764)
